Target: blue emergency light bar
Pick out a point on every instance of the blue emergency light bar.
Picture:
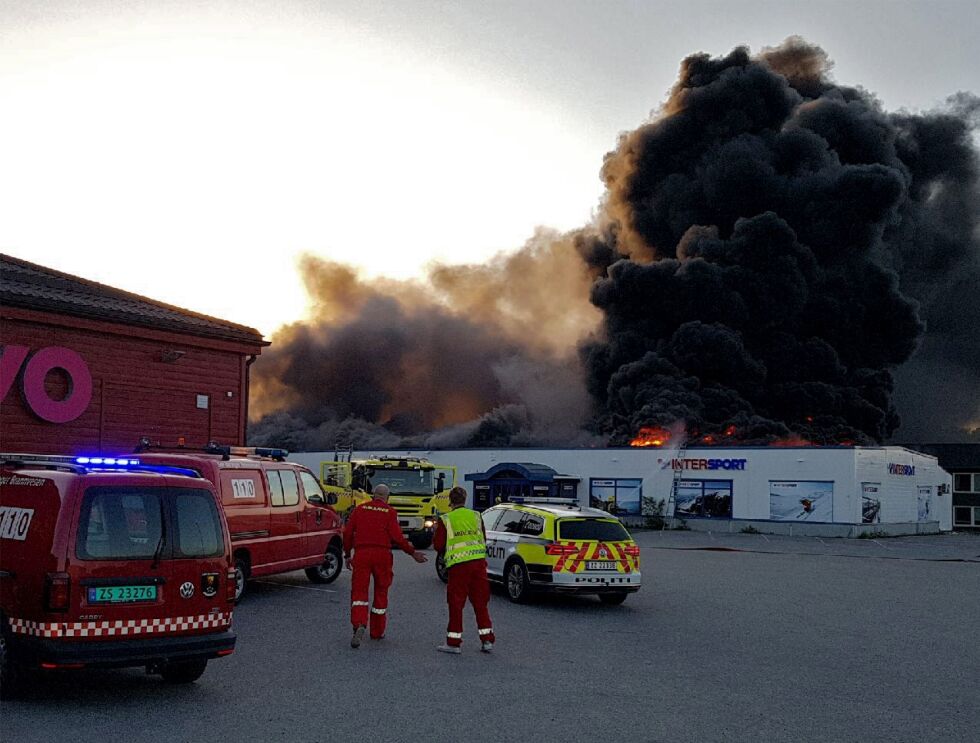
(108, 461)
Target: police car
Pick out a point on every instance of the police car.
(551, 545)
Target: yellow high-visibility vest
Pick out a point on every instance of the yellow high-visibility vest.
(464, 537)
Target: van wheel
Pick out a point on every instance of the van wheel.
(441, 570)
(183, 671)
(516, 582)
(331, 567)
(614, 598)
(241, 576)
(421, 541)
(11, 675)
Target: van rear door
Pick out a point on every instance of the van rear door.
(200, 562)
(121, 580)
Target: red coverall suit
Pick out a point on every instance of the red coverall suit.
(467, 580)
(370, 531)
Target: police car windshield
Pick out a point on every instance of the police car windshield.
(403, 481)
(598, 529)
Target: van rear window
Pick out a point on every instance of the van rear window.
(119, 524)
(601, 530)
(198, 525)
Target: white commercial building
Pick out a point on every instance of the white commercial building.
(832, 491)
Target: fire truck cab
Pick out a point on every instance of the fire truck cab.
(419, 489)
(279, 518)
(110, 562)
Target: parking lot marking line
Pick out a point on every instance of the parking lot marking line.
(289, 585)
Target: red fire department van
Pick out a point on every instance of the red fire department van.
(279, 518)
(112, 563)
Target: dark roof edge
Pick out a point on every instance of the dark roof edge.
(122, 294)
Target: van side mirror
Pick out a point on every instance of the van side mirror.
(331, 499)
(315, 499)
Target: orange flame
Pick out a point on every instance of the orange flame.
(791, 441)
(651, 436)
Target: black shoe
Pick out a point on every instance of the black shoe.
(355, 641)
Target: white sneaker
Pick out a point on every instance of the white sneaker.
(487, 646)
(449, 649)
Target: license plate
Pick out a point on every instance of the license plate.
(601, 565)
(121, 594)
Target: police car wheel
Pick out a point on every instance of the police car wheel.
(184, 671)
(328, 570)
(421, 541)
(613, 598)
(516, 582)
(441, 570)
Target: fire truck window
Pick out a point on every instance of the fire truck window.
(118, 524)
(310, 486)
(290, 487)
(198, 525)
(533, 526)
(510, 522)
(275, 487)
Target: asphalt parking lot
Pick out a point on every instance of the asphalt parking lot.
(735, 638)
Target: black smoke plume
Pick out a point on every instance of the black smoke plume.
(776, 257)
(788, 242)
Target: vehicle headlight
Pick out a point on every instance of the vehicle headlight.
(429, 523)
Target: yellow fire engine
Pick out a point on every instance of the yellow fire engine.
(419, 489)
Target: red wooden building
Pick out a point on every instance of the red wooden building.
(87, 368)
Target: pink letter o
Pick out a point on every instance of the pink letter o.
(79, 388)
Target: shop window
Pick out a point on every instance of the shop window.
(963, 482)
(618, 496)
(961, 516)
(710, 499)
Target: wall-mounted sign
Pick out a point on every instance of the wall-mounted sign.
(33, 374)
(702, 464)
(202, 402)
(905, 470)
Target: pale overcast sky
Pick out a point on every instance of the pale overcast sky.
(190, 151)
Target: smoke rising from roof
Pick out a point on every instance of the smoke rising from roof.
(774, 252)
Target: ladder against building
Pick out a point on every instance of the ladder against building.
(677, 476)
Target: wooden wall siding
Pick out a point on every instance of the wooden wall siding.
(134, 392)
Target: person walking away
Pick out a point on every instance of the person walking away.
(460, 537)
(370, 531)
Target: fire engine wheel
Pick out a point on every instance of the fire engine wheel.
(11, 677)
(441, 570)
(241, 576)
(184, 671)
(331, 567)
(516, 582)
(614, 598)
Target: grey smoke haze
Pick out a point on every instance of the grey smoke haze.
(774, 252)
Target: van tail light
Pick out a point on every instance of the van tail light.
(561, 549)
(631, 550)
(230, 585)
(57, 591)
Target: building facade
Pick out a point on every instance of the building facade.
(832, 491)
(87, 368)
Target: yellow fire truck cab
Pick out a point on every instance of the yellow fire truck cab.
(419, 489)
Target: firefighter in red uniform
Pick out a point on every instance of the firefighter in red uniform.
(370, 531)
(461, 539)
